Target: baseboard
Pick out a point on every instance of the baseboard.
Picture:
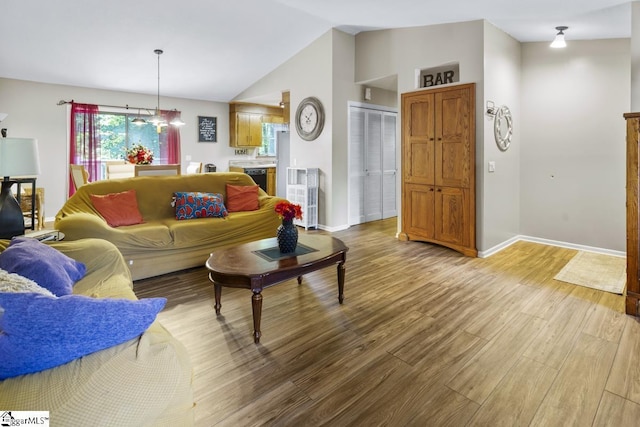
(333, 229)
(499, 247)
(567, 245)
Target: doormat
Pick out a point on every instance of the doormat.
(597, 271)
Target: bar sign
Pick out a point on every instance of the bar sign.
(441, 75)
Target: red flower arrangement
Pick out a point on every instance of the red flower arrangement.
(140, 155)
(288, 211)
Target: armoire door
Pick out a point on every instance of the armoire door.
(419, 202)
(419, 140)
(451, 215)
(452, 148)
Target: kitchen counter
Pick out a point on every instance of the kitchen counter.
(253, 163)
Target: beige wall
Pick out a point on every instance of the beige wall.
(498, 198)
(573, 142)
(33, 112)
(403, 51)
(324, 69)
(562, 179)
(635, 56)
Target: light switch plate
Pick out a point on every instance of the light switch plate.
(492, 166)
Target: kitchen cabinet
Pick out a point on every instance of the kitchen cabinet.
(438, 177)
(271, 181)
(246, 129)
(245, 123)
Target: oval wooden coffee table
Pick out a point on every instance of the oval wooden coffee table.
(258, 265)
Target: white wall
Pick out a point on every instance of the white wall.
(635, 56)
(498, 197)
(309, 73)
(573, 142)
(403, 51)
(344, 90)
(33, 113)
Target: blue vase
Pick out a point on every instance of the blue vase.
(287, 235)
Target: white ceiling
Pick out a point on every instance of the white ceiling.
(215, 49)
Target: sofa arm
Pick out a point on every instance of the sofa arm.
(82, 225)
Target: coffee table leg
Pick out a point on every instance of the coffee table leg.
(218, 291)
(341, 272)
(299, 280)
(256, 305)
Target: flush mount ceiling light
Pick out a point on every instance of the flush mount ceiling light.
(559, 42)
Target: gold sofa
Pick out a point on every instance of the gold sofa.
(163, 244)
(146, 381)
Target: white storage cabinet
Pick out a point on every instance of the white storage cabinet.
(302, 189)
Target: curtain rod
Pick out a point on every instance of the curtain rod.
(127, 107)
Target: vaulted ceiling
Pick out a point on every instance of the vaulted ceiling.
(214, 49)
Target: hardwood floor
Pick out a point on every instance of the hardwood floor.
(425, 337)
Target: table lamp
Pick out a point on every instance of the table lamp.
(18, 157)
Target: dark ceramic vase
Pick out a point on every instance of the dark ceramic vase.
(287, 235)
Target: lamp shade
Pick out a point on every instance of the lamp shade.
(19, 157)
(559, 42)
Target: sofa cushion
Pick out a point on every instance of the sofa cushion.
(41, 332)
(242, 198)
(12, 282)
(118, 208)
(190, 205)
(43, 264)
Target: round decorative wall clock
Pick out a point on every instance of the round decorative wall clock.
(503, 127)
(309, 118)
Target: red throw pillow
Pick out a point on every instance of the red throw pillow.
(242, 198)
(118, 208)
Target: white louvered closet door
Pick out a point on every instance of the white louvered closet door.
(356, 166)
(372, 165)
(389, 208)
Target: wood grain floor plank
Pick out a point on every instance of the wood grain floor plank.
(407, 405)
(486, 369)
(617, 411)
(625, 374)
(516, 399)
(552, 345)
(386, 355)
(608, 318)
(576, 392)
(275, 406)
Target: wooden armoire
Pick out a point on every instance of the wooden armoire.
(633, 187)
(438, 167)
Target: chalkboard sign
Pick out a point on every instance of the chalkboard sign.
(207, 129)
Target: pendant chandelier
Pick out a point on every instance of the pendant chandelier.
(157, 120)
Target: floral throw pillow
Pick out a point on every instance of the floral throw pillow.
(191, 205)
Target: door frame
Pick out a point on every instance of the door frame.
(364, 105)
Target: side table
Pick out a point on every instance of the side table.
(46, 235)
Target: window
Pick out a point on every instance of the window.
(117, 134)
(270, 139)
